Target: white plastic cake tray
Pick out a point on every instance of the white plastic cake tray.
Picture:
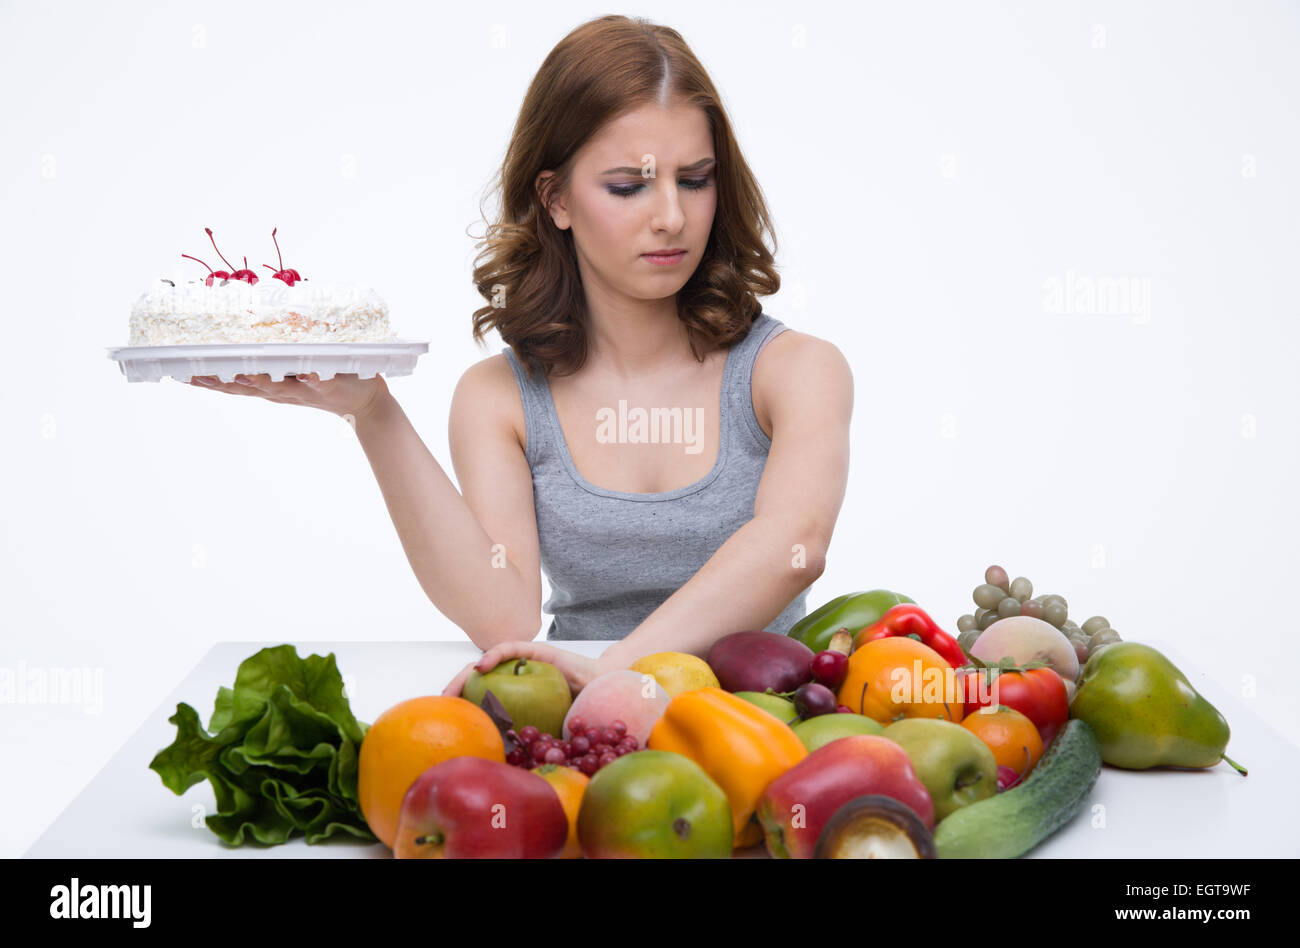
(276, 359)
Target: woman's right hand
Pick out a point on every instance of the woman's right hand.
(345, 394)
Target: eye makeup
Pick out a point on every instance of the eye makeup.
(628, 190)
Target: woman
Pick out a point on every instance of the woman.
(712, 517)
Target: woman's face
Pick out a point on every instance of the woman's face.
(644, 183)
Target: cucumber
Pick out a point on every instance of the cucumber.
(1015, 821)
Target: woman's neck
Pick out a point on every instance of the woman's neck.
(638, 341)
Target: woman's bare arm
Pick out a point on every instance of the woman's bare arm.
(753, 576)
(475, 555)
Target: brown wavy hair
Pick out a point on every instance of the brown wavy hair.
(606, 67)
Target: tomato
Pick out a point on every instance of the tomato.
(1039, 694)
(570, 785)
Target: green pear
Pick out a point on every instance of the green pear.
(532, 692)
(780, 708)
(1146, 713)
(956, 766)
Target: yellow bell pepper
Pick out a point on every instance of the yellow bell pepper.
(894, 678)
(741, 746)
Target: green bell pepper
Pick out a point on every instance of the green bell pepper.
(852, 611)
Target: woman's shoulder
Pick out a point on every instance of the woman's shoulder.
(786, 364)
(790, 350)
(488, 393)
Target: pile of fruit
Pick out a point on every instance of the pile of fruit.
(1000, 597)
(534, 697)
(866, 732)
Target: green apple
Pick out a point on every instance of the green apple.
(532, 692)
(821, 730)
(781, 708)
(956, 766)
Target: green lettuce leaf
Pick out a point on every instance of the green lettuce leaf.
(282, 755)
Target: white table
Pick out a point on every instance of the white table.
(126, 812)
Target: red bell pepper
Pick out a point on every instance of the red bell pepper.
(910, 619)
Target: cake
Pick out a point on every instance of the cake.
(237, 307)
(175, 313)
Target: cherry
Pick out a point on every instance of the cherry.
(247, 275)
(213, 275)
(830, 668)
(1007, 778)
(289, 276)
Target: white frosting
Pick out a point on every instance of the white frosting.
(192, 313)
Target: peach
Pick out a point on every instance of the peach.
(632, 697)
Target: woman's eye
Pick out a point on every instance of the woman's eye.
(627, 190)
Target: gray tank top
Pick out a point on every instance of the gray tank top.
(613, 557)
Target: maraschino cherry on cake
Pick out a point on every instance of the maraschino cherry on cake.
(234, 306)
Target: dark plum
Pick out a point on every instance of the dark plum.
(812, 700)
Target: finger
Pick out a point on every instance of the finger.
(212, 382)
(504, 652)
(457, 684)
(295, 386)
(262, 385)
(491, 658)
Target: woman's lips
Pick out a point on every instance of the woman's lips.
(665, 260)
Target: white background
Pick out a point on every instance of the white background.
(931, 169)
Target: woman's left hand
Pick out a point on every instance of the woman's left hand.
(578, 670)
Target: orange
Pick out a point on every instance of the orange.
(751, 835)
(570, 784)
(408, 739)
(898, 677)
(1012, 737)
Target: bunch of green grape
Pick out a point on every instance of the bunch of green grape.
(1000, 597)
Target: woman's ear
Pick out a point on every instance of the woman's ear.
(547, 185)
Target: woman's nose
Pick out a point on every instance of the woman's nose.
(668, 214)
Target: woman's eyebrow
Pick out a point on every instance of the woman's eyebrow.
(694, 166)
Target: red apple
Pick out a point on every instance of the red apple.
(470, 808)
(797, 804)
